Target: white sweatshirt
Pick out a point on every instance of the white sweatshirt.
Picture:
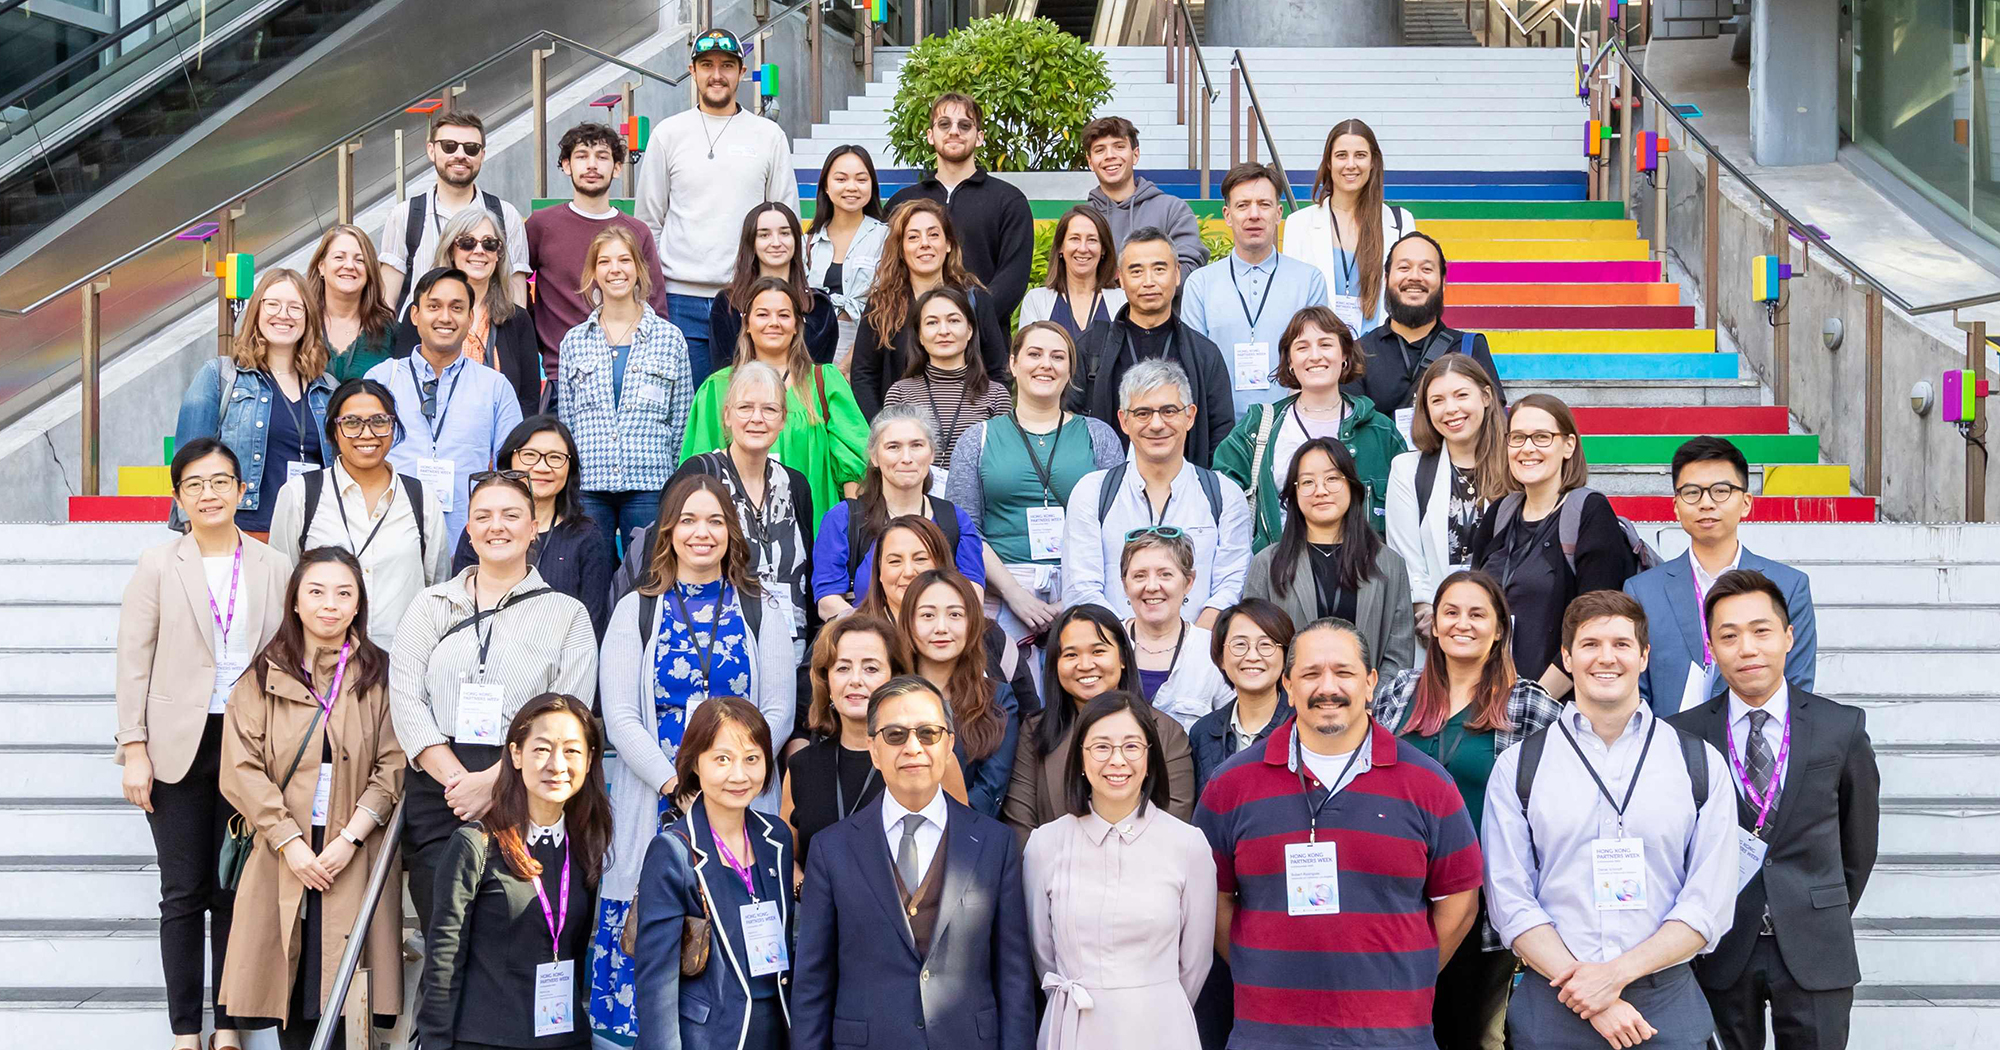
(695, 203)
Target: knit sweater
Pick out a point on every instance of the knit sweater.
(954, 410)
(699, 177)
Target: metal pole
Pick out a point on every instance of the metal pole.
(917, 22)
(402, 189)
(1781, 327)
(225, 242)
(350, 957)
(343, 182)
(1235, 111)
(1192, 89)
(867, 45)
(1250, 134)
(815, 30)
(631, 170)
(88, 421)
(1624, 132)
(1975, 435)
(1711, 248)
(1871, 409)
(1179, 59)
(1207, 154)
(538, 80)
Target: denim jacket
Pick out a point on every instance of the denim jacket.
(247, 424)
(635, 444)
(857, 271)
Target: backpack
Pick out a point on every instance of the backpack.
(1114, 478)
(1569, 523)
(413, 235)
(1425, 361)
(1693, 753)
(414, 489)
(943, 512)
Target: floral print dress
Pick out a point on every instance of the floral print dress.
(678, 688)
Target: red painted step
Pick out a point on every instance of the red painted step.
(1642, 271)
(1694, 419)
(120, 508)
(1769, 508)
(1485, 318)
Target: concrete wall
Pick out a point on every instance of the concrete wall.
(1304, 23)
(1794, 72)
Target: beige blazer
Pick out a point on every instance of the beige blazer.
(166, 646)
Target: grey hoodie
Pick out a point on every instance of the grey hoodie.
(1151, 206)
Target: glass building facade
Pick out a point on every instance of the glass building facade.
(1922, 96)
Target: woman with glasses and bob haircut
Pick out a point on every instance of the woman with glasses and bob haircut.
(1525, 538)
(1249, 644)
(1121, 894)
(361, 505)
(568, 550)
(176, 667)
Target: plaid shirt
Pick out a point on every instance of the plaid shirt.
(635, 444)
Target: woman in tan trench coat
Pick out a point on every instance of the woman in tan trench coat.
(317, 838)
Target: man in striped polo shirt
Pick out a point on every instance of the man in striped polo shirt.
(1347, 865)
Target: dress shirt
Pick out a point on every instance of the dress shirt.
(392, 569)
(1221, 298)
(929, 834)
(554, 832)
(1546, 879)
(1221, 548)
(1779, 707)
(476, 407)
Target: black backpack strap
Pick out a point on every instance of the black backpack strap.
(1108, 491)
(1211, 486)
(1695, 754)
(1524, 781)
(483, 613)
(413, 235)
(492, 203)
(853, 538)
(1427, 472)
(315, 481)
(945, 513)
(414, 489)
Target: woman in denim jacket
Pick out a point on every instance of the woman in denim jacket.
(274, 411)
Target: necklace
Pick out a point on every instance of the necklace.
(1162, 649)
(719, 134)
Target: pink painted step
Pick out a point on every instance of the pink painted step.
(1554, 272)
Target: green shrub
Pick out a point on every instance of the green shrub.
(1037, 85)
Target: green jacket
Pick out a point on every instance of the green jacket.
(1371, 436)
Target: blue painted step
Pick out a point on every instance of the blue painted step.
(1615, 366)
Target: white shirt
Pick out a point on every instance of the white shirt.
(1327, 768)
(1221, 548)
(1195, 685)
(391, 243)
(1779, 708)
(929, 834)
(392, 570)
(232, 651)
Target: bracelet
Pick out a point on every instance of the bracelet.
(350, 837)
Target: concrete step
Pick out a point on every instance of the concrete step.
(1905, 884)
(1874, 671)
(67, 581)
(1929, 951)
(38, 671)
(1848, 582)
(1940, 826)
(1945, 1017)
(52, 887)
(1932, 626)
(1925, 719)
(91, 1016)
(58, 720)
(37, 543)
(1946, 769)
(56, 624)
(59, 771)
(63, 954)
(73, 827)
(1875, 543)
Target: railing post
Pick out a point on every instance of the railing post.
(402, 189)
(1207, 154)
(1871, 411)
(343, 181)
(1660, 211)
(538, 81)
(356, 1012)
(917, 21)
(867, 42)
(629, 89)
(1625, 132)
(1975, 434)
(88, 420)
(815, 30)
(1180, 76)
(1711, 242)
(225, 243)
(1781, 325)
(1193, 90)
(1235, 112)
(1250, 134)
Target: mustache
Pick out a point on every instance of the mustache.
(1330, 696)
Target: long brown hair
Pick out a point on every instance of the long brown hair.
(749, 269)
(981, 723)
(642, 277)
(376, 317)
(889, 298)
(1431, 707)
(1489, 473)
(1575, 472)
(1107, 251)
(799, 367)
(821, 718)
(927, 533)
(587, 814)
(248, 347)
(367, 665)
(664, 568)
(976, 380)
(1367, 210)
(1360, 545)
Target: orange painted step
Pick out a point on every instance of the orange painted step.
(1580, 294)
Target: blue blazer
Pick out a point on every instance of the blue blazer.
(711, 1011)
(1666, 592)
(860, 982)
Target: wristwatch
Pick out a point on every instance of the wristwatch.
(349, 836)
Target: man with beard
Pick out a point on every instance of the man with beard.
(457, 149)
(996, 228)
(1347, 864)
(1398, 352)
(705, 169)
(559, 237)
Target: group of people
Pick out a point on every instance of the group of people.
(736, 630)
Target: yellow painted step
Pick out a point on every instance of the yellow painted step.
(1530, 229)
(1483, 250)
(145, 481)
(1601, 341)
(1807, 479)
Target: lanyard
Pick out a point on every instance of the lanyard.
(706, 653)
(1045, 473)
(950, 432)
(443, 410)
(1616, 806)
(557, 919)
(1762, 802)
(840, 793)
(1305, 793)
(235, 575)
(492, 615)
(754, 522)
(1346, 258)
(1166, 350)
(372, 533)
(742, 871)
(1261, 303)
(339, 672)
(1089, 316)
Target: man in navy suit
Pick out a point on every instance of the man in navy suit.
(913, 930)
(1808, 810)
(1711, 498)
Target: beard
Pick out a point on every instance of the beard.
(1416, 315)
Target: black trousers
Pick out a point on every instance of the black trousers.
(1800, 1019)
(1215, 1007)
(189, 820)
(1471, 991)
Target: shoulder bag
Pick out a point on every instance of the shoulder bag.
(242, 838)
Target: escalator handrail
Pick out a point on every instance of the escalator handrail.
(91, 53)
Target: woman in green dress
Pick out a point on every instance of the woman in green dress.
(346, 281)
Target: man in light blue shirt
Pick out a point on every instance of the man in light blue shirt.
(454, 412)
(1157, 488)
(1243, 301)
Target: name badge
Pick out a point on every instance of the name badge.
(1750, 852)
(1405, 419)
(652, 393)
(1348, 309)
(229, 667)
(1312, 879)
(322, 793)
(297, 467)
(764, 938)
(555, 998)
(1618, 874)
(479, 720)
(1045, 533)
(939, 476)
(1253, 366)
(1694, 692)
(440, 479)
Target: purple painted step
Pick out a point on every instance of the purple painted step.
(1642, 270)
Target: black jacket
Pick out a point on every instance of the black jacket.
(1215, 743)
(1102, 361)
(511, 348)
(1394, 364)
(1542, 586)
(1822, 837)
(573, 558)
(820, 325)
(996, 230)
(877, 366)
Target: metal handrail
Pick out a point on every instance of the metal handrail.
(91, 53)
(357, 938)
(1201, 65)
(1548, 8)
(1799, 227)
(1277, 162)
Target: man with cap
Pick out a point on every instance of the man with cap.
(704, 169)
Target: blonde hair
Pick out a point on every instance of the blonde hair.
(499, 308)
(752, 374)
(642, 283)
(249, 350)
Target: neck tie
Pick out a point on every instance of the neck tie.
(906, 853)
(1762, 763)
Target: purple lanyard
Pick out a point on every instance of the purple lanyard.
(235, 574)
(557, 920)
(1765, 802)
(1700, 610)
(339, 672)
(742, 872)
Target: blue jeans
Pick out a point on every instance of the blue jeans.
(689, 313)
(616, 514)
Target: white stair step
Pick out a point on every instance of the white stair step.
(85, 1023)
(1939, 827)
(1917, 720)
(58, 720)
(1905, 884)
(1951, 1017)
(1649, 394)
(1873, 672)
(1929, 951)
(67, 582)
(58, 624)
(74, 829)
(1935, 627)
(30, 671)
(59, 771)
(42, 542)
(1850, 582)
(1945, 770)
(1876, 543)
(97, 888)
(83, 954)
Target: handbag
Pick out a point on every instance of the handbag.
(242, 838)
(697, 933)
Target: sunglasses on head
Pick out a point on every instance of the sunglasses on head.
(480, 477)
(451, 146)
(467, 242)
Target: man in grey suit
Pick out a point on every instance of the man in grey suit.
(1808, 810)
(1711, 498)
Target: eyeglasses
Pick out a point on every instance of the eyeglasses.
(467, 242)
(897, 736)
(1102, 750)
(352, 426)
(1314, 484)
(963, 125)
(758, 409)
(529, 457)
(1165, 532)
(451, 146)
(220, 484)
(1541, 438)
(1144, 416)
(274, 308)
(1266, 648)
(1719, 492)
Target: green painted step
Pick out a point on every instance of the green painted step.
(1659, 448)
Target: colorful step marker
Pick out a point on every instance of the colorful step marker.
(1692, 419)
(145, 481)
(1805, 479)
(1602, 293)
(1659, 448)
(1767, 278)
(1485, 318)
(1476, 272)
(1601, 341)
(119, 508)
(238, 271)
(1665, 368)
(1962, 391)
(1773, 509)
(638, 130)
(1649, 147)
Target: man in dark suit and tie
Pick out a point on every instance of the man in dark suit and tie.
(913, 930)
(1807, 811)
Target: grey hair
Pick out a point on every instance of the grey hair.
(469, 218)
(1336, 625)
(905, 412)
(749, 373)
(1152, 373)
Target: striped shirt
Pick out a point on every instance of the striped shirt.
(1401, 839)
(544, 646)
(951, 407)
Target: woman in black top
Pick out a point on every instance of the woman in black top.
(1519, 539)
(772, 246)
(568, 551)
(923, 252)
(831, 777)
(515, 895)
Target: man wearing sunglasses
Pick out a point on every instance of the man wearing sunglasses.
(704, 169)
(995, 226)
(457, 149)
(913, 926)
(1711, 481)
